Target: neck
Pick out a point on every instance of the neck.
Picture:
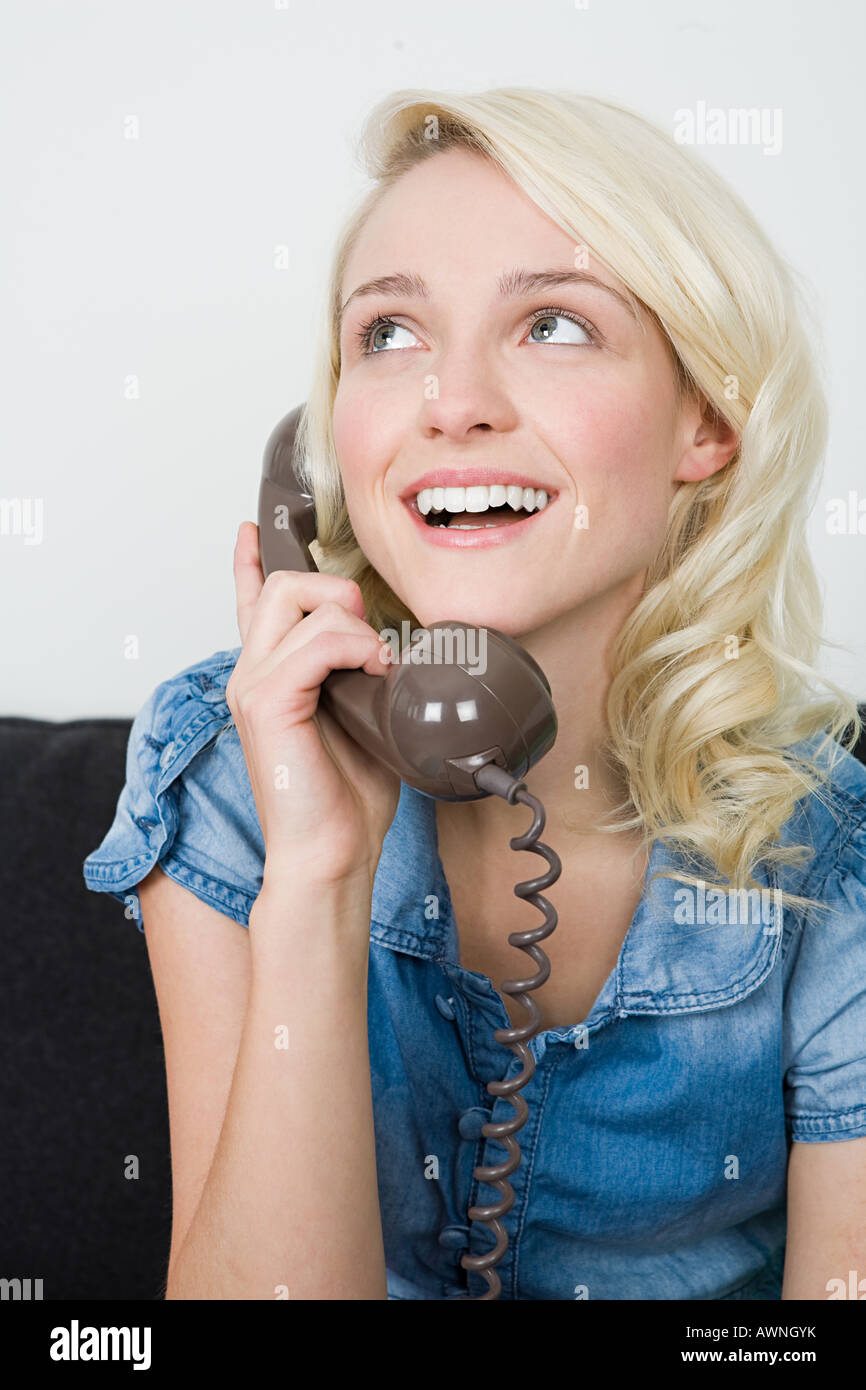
(575, 784)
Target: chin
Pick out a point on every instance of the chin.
(502, 617)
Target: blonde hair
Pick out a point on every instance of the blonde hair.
(701, 740)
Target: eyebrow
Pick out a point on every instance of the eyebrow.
(511, 285)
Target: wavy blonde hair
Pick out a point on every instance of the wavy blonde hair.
(702, 741)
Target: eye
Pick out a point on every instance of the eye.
(378, 334)
(369, 339)
(546, 318)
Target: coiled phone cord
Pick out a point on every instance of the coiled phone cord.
(493, 778)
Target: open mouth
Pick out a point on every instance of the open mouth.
(478, 508)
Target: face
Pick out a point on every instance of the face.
(549, 387)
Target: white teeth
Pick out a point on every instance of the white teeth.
(476, 499)
(480, 498)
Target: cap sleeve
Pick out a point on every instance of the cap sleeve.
(825, 1006)
(187, 803)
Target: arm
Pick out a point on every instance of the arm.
(826, 1218)
(200, 962)
(290, 1198)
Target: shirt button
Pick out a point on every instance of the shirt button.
(445, 1006)
(621, 1013)
(454, 1237)
(472, 1121)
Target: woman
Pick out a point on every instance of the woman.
(543, 292)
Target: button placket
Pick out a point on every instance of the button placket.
(492, 1153)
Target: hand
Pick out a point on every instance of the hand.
(324, 803)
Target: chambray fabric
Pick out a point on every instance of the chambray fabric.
(654, 1156)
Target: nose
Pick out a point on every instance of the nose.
(465, 393)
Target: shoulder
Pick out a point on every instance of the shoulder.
(186, 802)
(825, 957)
(830, 820)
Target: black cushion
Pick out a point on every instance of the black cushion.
(82, 1083)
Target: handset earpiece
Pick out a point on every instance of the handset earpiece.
(287, 514)
(458, 699)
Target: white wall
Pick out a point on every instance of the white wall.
(155, 258)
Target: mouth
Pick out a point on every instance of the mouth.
(480, 507)
(477, 515)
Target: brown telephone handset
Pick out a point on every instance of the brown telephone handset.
(454, 729)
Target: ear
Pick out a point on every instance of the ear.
(710, 442)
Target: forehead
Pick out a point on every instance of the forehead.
(455, 218)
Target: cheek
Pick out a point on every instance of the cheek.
(365, 439)
(366, 436)
(352, 427)
(619, 453)
(617, 449)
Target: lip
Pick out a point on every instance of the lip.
(474, 477)
(481, 539)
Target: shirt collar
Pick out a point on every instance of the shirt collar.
(667, 962)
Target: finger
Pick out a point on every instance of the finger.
(249, 579)
(335, 651)
(296, 681)
(328, 616)
(286, 597)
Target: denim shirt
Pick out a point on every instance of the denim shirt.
(655, 1153)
